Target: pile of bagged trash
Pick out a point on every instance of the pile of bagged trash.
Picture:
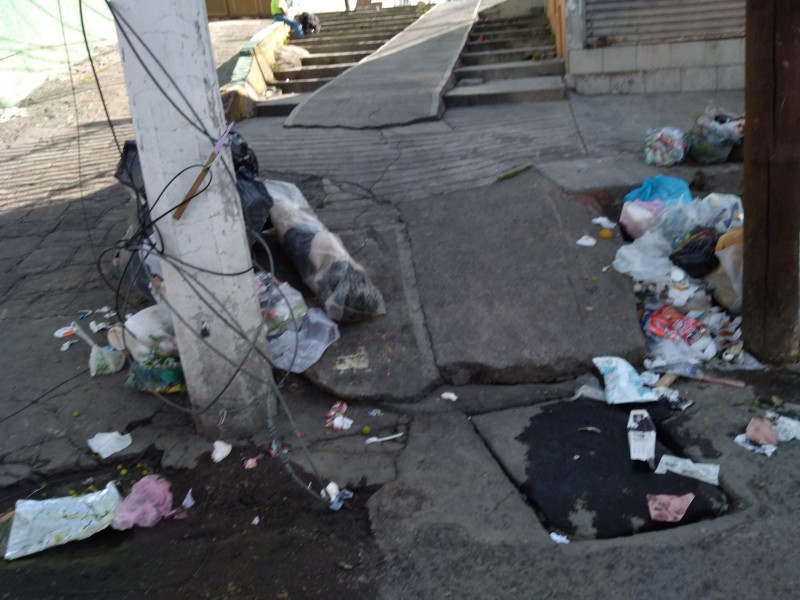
(715, 137)
(686, 259)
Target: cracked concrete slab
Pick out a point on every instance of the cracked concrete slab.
(507, 294)
(372, 359)
(447, 478)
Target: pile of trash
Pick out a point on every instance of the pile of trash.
(686, 259)
(715, 137)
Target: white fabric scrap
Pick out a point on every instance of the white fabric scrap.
(188, 500)
(340, 422)
(558, 538)
(586, 241)
(106, 444)
(707, 473)
(604, 222)
(765, 449)
(220, 451)
(449, 396)
(786, 428)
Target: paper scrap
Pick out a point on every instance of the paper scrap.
(220, 451)
(250, 463)
(586, 241)
(759, 430)
(96, 327)
(705, 472)
(256, 520)
(558, 538)
(642, 436)
(668, 508)
(188, 500)
(604, 222)
(786, 428)
(765, 449)
(623, 383)
(449, 396)
(106, 444)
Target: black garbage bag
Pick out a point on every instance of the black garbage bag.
(242, 154)
(256, 202)
(697, 254)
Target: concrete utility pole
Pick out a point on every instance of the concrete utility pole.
(210, 235)
(771, 302)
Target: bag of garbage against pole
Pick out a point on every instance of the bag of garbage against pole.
(341, 284)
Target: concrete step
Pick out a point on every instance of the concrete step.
(508, 91)
(334, 58)
(301, 86)
(278, 106)
(364, 21)
(312, 72)
(508, 33)
(346, 46)
(508, 43)
(520, 23)
(501, 56)
(512, 70)
(361, 36)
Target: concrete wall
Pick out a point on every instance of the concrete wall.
(650, 66)
(32, 46)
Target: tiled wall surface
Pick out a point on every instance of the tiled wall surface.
(673, 67)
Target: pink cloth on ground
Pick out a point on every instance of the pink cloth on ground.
(150, 500)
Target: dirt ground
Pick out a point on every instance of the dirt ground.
(298, 548)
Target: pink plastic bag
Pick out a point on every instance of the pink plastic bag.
(150, 500)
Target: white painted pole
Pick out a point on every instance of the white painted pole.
(211, 234)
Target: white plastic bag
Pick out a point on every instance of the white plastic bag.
(623, 383)
(317, 332)
(646, 259)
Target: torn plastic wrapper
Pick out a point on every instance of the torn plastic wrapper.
(297, 351)
(668, 508)
(340, 283)
(106, 444)
(765, 449)
(786, 428)
(41, 524)
(706, 473)
(623, 384)
(335, 495)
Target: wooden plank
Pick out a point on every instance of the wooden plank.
(771, 307)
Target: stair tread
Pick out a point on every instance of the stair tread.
(516, 64)
(501, 86)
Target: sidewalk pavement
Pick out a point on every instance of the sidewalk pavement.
(488, 297)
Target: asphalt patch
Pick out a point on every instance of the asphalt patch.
(581, 481)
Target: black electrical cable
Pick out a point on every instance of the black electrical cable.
(43, 395)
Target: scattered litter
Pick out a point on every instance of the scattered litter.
(150, 501)
(102, 361)
(668, 508)
(106, 444)
(714, 136)
(105, 310)
(765, 449)
(589, 391)
(375, 412)
(188, 500)
(786, 428)
(97, 327)
(590, 429)
(358, 361)
(664, 147)
(576, 457)
(623, 384)
(82, 314)
(64, 332)
(335, 495)
(586, 241)
(345, 566)
(449, 396)
(366, 430)
(250, 463)
(605, 234)
(604, 222)
(642, 437)
(221, 451)
(558, 538)
(256, 520)
(760, 431)
(376, 440)
(297, 351)
(41, 524)
(282, 306)
(335, 419)
(707, 473)
(65, 346)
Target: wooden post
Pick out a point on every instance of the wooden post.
(771, 304)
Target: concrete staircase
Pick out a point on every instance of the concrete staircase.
(343, 41)
(508, 60)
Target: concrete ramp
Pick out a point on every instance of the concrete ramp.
(402, 82)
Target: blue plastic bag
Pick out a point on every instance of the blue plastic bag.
(669, 190)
